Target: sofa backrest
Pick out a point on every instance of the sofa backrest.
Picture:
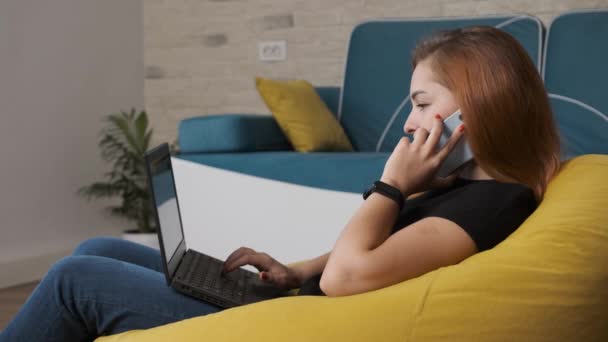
(374, 101)
(575, 70)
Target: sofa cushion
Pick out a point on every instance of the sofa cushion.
(340, 171)
(575, 73)
(581, 130)
(303, 116)
(331, 97)
(545, 282)
(231, 133)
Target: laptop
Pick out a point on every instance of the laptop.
(186, 270)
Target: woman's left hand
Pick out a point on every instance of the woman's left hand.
(412, 166)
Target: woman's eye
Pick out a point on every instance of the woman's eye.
(421, 105)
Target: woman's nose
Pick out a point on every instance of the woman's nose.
(410, 130)
(409, 127)
(411, 124)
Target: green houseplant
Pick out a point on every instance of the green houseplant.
(123, 143)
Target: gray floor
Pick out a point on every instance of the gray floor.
(11, 300)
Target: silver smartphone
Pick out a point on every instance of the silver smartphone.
(461, 153)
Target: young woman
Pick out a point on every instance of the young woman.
(109, 285)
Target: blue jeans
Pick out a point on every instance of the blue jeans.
(105, 287)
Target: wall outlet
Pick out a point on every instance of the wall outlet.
(274, 50)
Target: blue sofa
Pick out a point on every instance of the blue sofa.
(372, 103)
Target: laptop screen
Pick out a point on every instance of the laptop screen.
(167, 209)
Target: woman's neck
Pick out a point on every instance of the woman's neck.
(471, 170)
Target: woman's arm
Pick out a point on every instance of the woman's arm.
(310, 267)
(369, 227)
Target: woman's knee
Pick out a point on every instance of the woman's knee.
(72, 265)
(122, 250)
(83, 273)
(101, 246)
(66, 274)
(76, 282)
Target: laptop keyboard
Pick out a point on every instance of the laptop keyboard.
(205, 273)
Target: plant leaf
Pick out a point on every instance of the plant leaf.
(141, 124)
(123, 124)
(147, 140)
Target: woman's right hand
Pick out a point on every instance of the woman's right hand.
(271, 271)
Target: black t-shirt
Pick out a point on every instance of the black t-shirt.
(488, 210)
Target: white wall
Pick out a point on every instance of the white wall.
(63, 64)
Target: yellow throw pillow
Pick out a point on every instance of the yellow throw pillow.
(303, 116)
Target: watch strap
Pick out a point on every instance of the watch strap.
(386, 190)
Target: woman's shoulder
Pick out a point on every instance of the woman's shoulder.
(492, 186)
(488, 210)
(490, 193)
(480, 194)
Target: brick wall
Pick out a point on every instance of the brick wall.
(201, 55)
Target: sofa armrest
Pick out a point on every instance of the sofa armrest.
(241, 132)
(231, 133)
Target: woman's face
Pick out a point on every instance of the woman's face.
(428, 99)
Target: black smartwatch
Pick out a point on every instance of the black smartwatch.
(386, 190)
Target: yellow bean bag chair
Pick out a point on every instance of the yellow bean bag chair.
(548, 281)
